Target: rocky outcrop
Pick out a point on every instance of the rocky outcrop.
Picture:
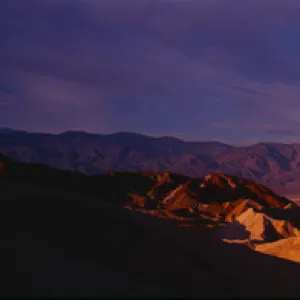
(241, 211)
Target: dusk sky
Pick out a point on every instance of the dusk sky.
(226, 70)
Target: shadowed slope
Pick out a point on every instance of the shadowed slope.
(84, 247)
(154, 189)
(72, 234)
(272, 164)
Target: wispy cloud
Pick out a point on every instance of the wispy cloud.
(151, 66)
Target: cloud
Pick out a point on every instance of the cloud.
(152, 66)
(285, 132)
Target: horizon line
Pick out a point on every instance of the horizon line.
(9, 129)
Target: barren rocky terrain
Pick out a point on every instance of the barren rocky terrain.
(143, 234)
(272, 164)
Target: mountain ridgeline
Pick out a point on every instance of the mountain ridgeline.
(236, 206)
(272, 164)
(142, 234)
(145, 189)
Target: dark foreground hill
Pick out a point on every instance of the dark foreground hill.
(67, 234)
(272, 164)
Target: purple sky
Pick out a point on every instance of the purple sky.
(226, 70)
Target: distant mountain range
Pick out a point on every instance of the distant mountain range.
(275, 165)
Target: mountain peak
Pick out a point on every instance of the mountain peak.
(220, 180)
(10, 130)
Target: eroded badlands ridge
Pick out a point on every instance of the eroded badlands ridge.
(275, 165)
(242, 211)
(178, 236)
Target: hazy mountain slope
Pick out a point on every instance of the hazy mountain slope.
(157, 189)
(71, 242)
(272, 164)
(250, 212)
